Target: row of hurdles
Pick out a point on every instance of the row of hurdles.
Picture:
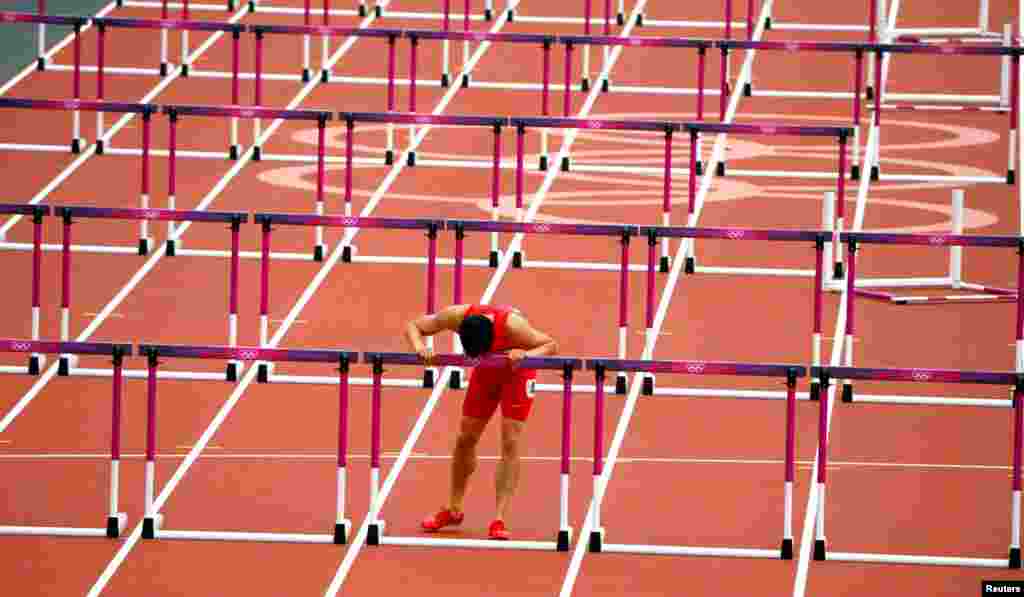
(855, 49)
(430, 228)
(343, 360)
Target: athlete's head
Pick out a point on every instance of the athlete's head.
(476, 333)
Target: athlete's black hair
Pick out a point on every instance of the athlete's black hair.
(477, 335)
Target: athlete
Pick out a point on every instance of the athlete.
(485, 329)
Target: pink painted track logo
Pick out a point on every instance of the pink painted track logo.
(918, 375)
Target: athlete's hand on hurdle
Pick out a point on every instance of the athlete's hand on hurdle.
(427, 354)
(515, 356)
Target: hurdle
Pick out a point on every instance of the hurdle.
(664, 127)
(376, 532)
(587, 31)
(1013, 52)
(953, 280)
(36, 360)
(269, 220)
(622, 233)
(255, 113)
(115, 520)
(164, 25)
(596, 540)
(839, 133)
(152, 527)
(325, 32)
(411, 118)
(1014, 380)
(819, 239)
(854, 239)
(68, 215)
(76, 78)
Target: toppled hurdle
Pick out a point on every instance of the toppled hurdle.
(841, 134)
(115, 521)
(622, 233)
(68, 214)
(153, 523)
(1013, 380)
(37, 212)
(854, 239)
(376, 525)
(596, 539)
(818, 239)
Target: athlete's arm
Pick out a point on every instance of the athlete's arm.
(428, 325)
(531, 341)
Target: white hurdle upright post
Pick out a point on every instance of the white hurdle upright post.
(446, 45)
(1004, 72)
(376, 526)
(41, 46)
(983, 17)
(956, 252)
(830, 224)
(564, 530)
(1018, 431)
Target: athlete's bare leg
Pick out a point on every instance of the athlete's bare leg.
(464, 459)
(508, 467)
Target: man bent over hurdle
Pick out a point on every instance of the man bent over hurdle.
(485, 329)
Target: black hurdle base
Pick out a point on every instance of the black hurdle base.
(33, 365)
(565, 164)
(148, 528)
(543, 163)
(855, 172)
(233, 153)
(1015, 558)
(875, 174)
(40, 63)
(374, 532)
(786, 551)
(819, 550)
(690, 266)
(488, 14)
(647, 387)
(163, 69)
(511, 15)
(605, 85)
(184, 70)
(620, 384)
(389, 157)
(63, 367)
(325, 76)
(562, 543)
(517, 260)
(838, 271)
(231, 373)
(318, 253)
(362, 10)
(720, 169)
(596, 541)
(620, 19)
(143, 246)
(700, 168)
(455, 380)
(585, 85)
(346, 254)
(663, 265)
(263, 374)
(492, 261)
(1011, 177)
(307, 75)
(379, 11)
(172, 248)
(410, 160)
(640, 20)
(252, 5)
(76, 146)
(847, 392)
(100, 147)
(768, 24)
(428, 378)
(445, 80)
(340, 534)
(257, 153)
(814, 392)
(869, 92)
(465, 81)
(113, 527)
(748, 90)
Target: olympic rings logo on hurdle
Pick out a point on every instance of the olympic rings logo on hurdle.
(695, 367)
(346, 221)
(735, 234)
(938, 240)
(769, 130)
(792, 46)
(20, 346)
(541, 228)
(248, 355)
(246, 113)
(151, 214)
(918, 375)
(594, 124)
(8, 18)
(70, 104)
(422, 119)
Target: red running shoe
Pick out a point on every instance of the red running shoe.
(443, 518)
(497, 530)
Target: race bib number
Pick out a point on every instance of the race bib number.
(531, 388)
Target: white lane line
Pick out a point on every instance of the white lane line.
(807, 533)
(717, 153)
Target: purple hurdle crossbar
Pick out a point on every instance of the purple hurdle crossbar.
(852, 241)
(115, 520)
(565, 365)
(695, 128)
(37, 212)
(819, 238)
(1012, 379)
(154, 352)
(69, 213)
(788, 372)
(325, 31)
